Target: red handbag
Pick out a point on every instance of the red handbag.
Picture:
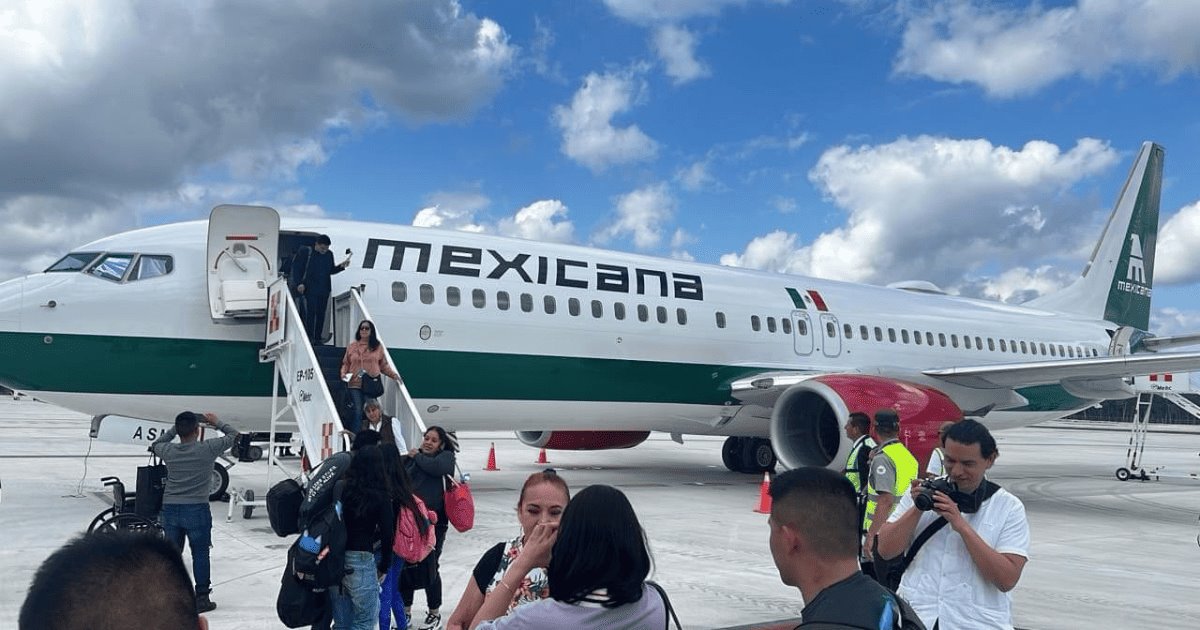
(460, 505)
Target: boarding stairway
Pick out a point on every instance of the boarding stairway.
(1133, 468)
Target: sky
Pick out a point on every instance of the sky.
(976, 145)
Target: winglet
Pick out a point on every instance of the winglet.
(1116, 285)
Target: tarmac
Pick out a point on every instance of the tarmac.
(1105, 553)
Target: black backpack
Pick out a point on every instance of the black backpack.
(318, 557)
(283, 507)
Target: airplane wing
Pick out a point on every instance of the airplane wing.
(1087, 369)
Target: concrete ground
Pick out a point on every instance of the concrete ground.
(1105, 553)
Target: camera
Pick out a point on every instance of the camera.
(924, 500)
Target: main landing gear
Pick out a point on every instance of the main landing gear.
(748, 455)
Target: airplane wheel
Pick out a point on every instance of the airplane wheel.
(255, 452)
(731, 453)
(757, 455)
(218, 483)
(1123, 474)
(248, 510)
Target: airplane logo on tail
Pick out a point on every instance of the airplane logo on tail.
(1137, 269)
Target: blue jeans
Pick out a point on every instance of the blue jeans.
(356, 397)
(193, 520)
(390, 604)
(356, 607)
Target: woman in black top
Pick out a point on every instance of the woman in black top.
(543, 499)
(370, 521)
(428, 466)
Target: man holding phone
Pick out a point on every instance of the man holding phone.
(185, 511)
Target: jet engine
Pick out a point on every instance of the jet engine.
(807, 420)
(582, 440)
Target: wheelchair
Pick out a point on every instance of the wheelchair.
(124, 514)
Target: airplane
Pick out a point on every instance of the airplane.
(581, 348)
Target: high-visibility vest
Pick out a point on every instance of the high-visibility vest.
(906, 471)
(851, 470)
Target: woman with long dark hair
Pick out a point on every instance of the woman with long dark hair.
(543, 499)
(390, 603)
(364, 355)
(370, 521)
(596, 561)
(428, 466)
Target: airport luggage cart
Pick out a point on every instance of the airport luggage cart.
(1133, 468)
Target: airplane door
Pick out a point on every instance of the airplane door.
(802, 332)
(832, 346)
(243, 252)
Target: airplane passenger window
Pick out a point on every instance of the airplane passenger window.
(1070, 352)
(978, 343)
(1061, 351)
(954, 341)
(478, 298)
(991, 344)
(892, 335)
(1053, 352)
(878, 334)
(755, 323)
(1003, 348)
(1012, 345)
(549, 305)
(453, 296)
(928, 338)
(148, 267)
(427, 294)
(112, 266)
(802, 327)
(720, 319)
(502, 301)
(681, 316)
(399, 291)
(619, 310)
(1024, 349)
(786, 322)
(661, 312)
(830, 330)
(967, 342)
(75, 261)
(526, 303)
(770, 324)
(916, 336)
(597, 309)
(904, 336)
(643, 313)
(573, 307)
(846, 328)
(1043, 345)
(942, 339)
(862, 332)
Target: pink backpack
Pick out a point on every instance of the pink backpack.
(409, 543)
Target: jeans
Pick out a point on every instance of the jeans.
(356, 607)
(193, 520)
(356, 397)
(390, 604)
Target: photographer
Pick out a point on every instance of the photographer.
(962, 576)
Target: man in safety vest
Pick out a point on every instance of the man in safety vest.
(858, 429)
(893, 469)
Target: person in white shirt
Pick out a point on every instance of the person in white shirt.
(388, 427)
(937, 465)
(963, 576)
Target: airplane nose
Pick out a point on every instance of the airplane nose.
(11, 294)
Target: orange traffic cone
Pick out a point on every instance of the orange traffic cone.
(542, 458)
(764, 495)
(491, 464)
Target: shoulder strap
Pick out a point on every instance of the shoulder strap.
(923, 538)
(670, 612)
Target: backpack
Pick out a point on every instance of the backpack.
(297, 605)
(410, 543)
(283, 507)
(318, 557)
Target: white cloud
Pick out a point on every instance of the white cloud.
(906, 202)
(452, 210)
(651, 11)
(641, 214)
(1173, 321)
(1018, 284)
(695, 177)
(1011, 51)
(537, 222)
(676, 47)
(1177, 255)
(113, 104)
(589, 136)
(785, 205)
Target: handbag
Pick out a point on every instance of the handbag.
(151, 483)
(372, 386)
(460, 505)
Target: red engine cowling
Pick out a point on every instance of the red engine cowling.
(582, 440)
(807, 421)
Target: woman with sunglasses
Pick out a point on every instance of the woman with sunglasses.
(365, 355)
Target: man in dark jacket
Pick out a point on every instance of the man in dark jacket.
(310, 273)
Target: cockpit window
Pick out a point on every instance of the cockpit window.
(75, 261)
(151, 267)
(112, 266)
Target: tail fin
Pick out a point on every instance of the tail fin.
(1117, 282)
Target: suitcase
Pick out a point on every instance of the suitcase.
(283, 507)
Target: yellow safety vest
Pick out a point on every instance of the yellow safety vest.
(851, 470)
(906, 471)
